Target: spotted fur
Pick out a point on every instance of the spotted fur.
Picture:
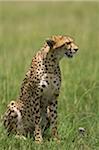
(36, 106)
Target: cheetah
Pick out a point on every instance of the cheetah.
(36, 107)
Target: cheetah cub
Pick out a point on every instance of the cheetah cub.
(36, 107)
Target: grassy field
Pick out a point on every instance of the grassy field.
(23, 29)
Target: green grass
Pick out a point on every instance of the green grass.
(23, 29)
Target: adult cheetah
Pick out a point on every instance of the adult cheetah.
(37, 102)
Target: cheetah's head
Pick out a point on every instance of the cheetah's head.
(62, 45)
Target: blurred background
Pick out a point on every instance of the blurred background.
(24, 26)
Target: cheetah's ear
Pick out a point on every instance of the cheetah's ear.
(50, 42)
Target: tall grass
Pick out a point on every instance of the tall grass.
(23, 28)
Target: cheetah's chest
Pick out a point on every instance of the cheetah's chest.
(50, 83)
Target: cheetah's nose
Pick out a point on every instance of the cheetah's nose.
(76, 49)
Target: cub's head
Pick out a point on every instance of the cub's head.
(61, 45)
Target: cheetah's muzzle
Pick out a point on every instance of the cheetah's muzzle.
(69, 53)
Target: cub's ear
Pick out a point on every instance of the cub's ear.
(50, 42)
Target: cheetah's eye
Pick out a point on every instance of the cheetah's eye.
(62, 46)
(68, 43)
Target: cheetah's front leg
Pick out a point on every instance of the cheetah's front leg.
(37, 119)
(53, 119)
